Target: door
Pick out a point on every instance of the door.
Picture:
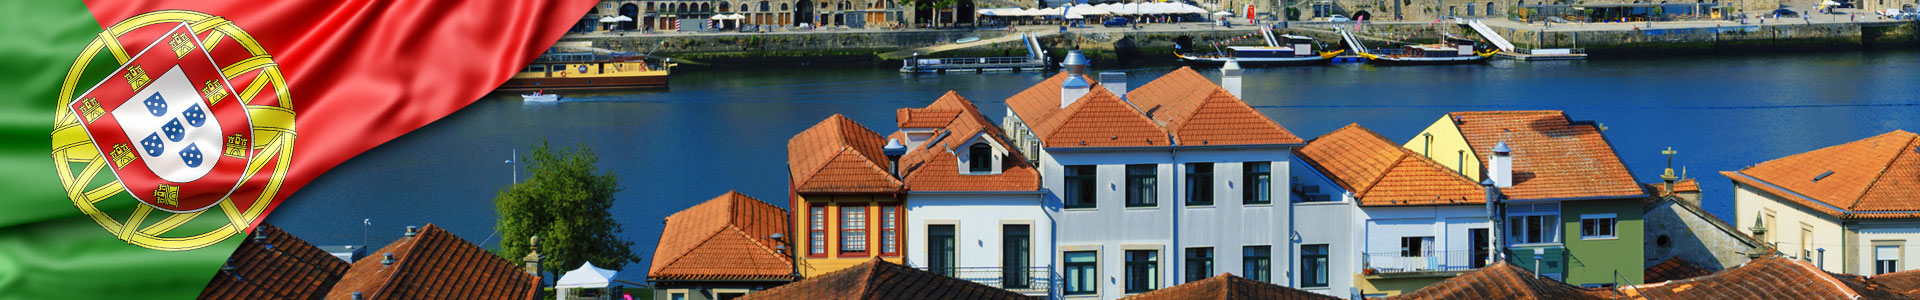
(1482, 246)
(940, 248)
(1017, 256)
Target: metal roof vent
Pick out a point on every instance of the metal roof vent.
(412, 231)
(1822, 176)
(386, 259)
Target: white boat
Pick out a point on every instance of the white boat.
(540, 97)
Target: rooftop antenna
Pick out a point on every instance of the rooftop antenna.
(510, 167)
(364, 224)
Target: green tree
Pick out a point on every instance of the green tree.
(564, 202)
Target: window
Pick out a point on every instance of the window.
(1415, 246)
(980, 158)
(1313, 265)
(1016, 257)
(1258, 184)
(1143, 270)
(1080, 187)
(1596, 226)
(853, 229)
(1199, 184)
(678, 296)
(1082, 274)
(1482, 246)
(1469, 9)
(890, 229)
(1806, 242)
(1533, 223)
(817, 229)
(1140, 185)
(1886, 257)
(1257, 263)
(940, 249)
(1199, 263)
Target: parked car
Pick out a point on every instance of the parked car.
(1785, 13)
(1338, 18)
(1116, 22)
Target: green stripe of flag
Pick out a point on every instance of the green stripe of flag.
(48, 249)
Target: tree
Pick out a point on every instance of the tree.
(565, 203)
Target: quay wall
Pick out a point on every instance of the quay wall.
(1752, 38)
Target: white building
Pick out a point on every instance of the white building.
(1852, 208)
(1165, 184)
(974, 205)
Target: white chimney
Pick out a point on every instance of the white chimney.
(1076, 85)
(1500, 166)
(1115, 82)
(1230, 78)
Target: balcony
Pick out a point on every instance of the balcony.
(1035, 281)
(1428, 263)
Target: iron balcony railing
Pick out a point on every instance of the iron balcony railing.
(1426, 261)
(1028, 281)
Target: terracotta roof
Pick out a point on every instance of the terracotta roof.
(1876, 177)
(726, 238)
(1229, 287)
(1673, 269)
(881, 280)
(1659, 189)
(1099, 120)
(933, 166)
(1381, 173)
(1903, 282)
(839, 155)
(1553, 157)
(1160, 96)
(1504, 281)
(272, 264)
(1041, 100)
(925, 117)
(1218, 118)
(435, 264)
(1769, 277)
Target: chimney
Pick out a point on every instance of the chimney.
(1076, 86)
(1493, 212)
(1115, 82)
(1500, 166)
(533, 256)
(893, 151)
(1230, 78)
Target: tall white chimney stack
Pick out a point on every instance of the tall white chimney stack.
(1500, 166)
(1230, 78)
(1076, 85)
(1115, 82)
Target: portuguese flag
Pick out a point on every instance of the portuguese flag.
(140, 140)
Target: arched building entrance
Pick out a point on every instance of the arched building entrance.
(803, 13)
(633, 15)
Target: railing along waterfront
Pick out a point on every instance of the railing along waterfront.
(1029, 281)
(1426, 261)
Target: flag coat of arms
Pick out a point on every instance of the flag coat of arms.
(143, 138)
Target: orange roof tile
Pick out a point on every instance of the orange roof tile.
(435, 264)
(1684, 186)
(925, 117)
(1504, 281)
(1553, 157)
(1876, 177)
(839, 155)
(1673, 269)
(1770, 277)
(1229, 287)
(1903, 282)
(1381, 173)
(1218, 118)
(1041, 100)
(881, 280)
(934, 167)
(272, 264)
(725, 238)
(1159, 96)
(1099, 120)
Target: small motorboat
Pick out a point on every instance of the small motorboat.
(1280, 51)
(540, 97)
(967, 40)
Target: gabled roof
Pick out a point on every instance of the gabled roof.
(1381, 173)
(1876, 177)
(435, 264)
(839, 155)
(725, 238)
(1903, 282)
(1659, 189)
(271, 264)
(934, 167)
(1673, 269)
(1229, 287)
(1504, 281)
(1199, 112)
(1553, 157)
(881, 280)
(1771, 277)
(1099, 119)
(1162, 95)
(1041, 100)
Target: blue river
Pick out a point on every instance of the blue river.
(720, 130)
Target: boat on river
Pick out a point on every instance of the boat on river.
(1452, 50)
(540, 96)
(590, 71)
(1282, 50)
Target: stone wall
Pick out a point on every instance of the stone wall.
(1789, 36)
(1690, 235)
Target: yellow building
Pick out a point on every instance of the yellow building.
(846, 201)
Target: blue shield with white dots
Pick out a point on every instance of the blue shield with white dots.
(195, 115)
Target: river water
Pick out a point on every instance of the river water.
(720, 130)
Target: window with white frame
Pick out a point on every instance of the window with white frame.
(1415, 246)
(1537, 223)
(1886, 256)
(1597, 226)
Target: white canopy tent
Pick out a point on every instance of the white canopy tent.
(1088, 10)
(586, 277)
